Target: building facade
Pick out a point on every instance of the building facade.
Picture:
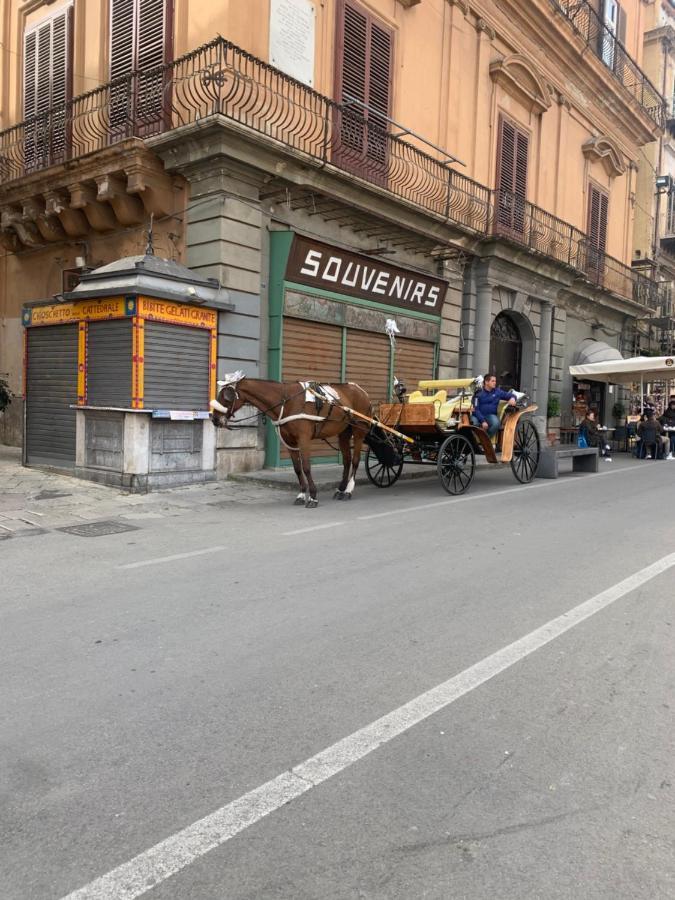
(464, 167)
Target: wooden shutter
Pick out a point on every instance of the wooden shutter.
(413, 361)
(598, 203)
(364, 50)
(47, 88)
(621, 25)
(140, 41)
(368, 363)
(512, 167)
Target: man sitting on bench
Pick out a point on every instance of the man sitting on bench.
(485, 403)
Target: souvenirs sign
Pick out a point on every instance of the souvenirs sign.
(340, 271)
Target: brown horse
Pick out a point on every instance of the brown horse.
(300, 421)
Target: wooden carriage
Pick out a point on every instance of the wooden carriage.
(434, 427)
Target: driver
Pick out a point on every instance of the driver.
(485, 403)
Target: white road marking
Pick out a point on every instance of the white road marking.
(150, 868)
(163, 559)
(311, 528)
(469, 497)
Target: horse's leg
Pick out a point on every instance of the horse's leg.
(312, 500)
(301, 499)
(344, 440)
(356, 458)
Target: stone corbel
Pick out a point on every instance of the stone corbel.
(49, 226)
(57, 203)
(128, 208)
(484, 27)
(409, 3)
(9, 239)
(154, 188)
(462, 4)
(26, 231)
(99, 215)
(605, 150)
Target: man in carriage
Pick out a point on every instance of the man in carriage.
(486, 403)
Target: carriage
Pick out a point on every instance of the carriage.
(432, 426)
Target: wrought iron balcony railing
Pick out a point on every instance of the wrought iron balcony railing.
(220, 79)
(606, 45)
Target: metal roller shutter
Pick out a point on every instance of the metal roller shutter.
(413, 361)
(176, 367)
(51, 388)
(109, 363)
(368, 363)
(312, 352)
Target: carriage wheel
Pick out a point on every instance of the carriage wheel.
(525, 451)
(381, 474)
(456, 463)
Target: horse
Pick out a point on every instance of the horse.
(301, 417)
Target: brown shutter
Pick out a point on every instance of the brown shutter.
(512, 166)
(598, 204)
(122, 37)
(413, 361)
(363, 73)
(368, 363)
(621, 26)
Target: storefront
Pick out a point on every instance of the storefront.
(119, 375)
(328, 313)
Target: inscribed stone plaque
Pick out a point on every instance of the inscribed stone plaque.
(292, 38)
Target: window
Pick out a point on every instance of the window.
(670, 214)
(141, 40)
(613, 30)
(512, 163)
(598, 202)
(47, 86)
(364, 50)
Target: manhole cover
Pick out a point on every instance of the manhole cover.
(51, 495)
(97, 529)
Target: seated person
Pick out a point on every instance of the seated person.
(652, 435)
(668, 421)
(485, 403)
(589, 430)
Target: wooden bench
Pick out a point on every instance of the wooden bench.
(584, 459)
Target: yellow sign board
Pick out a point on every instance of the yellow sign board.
(78, 311)
(177, 313)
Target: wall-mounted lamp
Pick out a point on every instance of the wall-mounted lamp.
(664, 183)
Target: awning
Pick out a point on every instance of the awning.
(624, 371)
(590, 351)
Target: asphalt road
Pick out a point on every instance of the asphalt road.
(145, 689)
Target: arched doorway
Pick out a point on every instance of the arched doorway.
(506, 352)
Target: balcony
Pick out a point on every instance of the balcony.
(589, 25)
(260, 102)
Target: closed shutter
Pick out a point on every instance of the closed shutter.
(312, 351)
(47, 79)
(140, 41)
(363, 73)
(413, 361)
(368, 363)
(51, 389)
(176, 367)
(109, 363)
(512, 168)
(598, 203)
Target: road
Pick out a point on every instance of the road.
(491, 678)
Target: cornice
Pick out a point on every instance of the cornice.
(518, 77)
(603, 149)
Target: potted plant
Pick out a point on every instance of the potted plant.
(553, 418)
(618, 411)
(5, 395)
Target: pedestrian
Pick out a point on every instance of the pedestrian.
(589, 431)
(668, 421)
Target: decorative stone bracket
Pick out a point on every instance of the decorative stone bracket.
(100, 194)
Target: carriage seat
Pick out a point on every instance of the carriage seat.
(438, 399)
(452, 408)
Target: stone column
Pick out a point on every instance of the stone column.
(544, 367)
(481, 338)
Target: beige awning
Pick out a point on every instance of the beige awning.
(590, 351)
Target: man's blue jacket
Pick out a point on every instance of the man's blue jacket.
(486, 402)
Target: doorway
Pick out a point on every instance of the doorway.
(506, 352)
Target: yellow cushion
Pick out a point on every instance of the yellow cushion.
(438, 399)
(453, 407)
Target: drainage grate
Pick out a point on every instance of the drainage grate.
(97, 529)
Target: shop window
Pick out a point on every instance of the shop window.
(512, 168)
(363, 68)
(47, 87)
(141, 42)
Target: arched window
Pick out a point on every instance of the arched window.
(506, 349)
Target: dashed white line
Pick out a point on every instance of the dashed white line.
(150, 868)
(312, 528)
(165, 559)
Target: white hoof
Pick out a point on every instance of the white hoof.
(311, 503)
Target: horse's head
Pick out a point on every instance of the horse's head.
(227, 401)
